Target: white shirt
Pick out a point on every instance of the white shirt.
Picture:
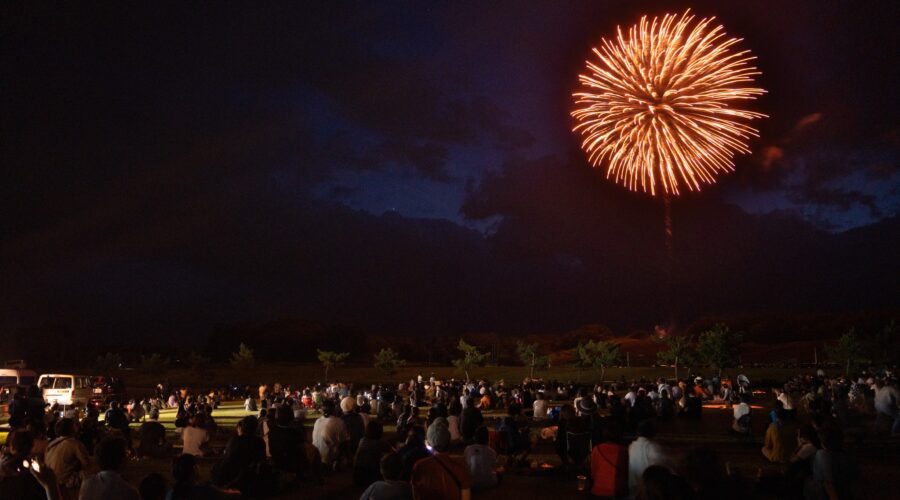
(886, 400)
(786, 400)
(741, 410)
(482, 463)
(642, 453)
(328, 435)
(193, 438)
(453, 427)
(540, 409)
(631, 397)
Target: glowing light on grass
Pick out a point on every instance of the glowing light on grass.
(660, 105)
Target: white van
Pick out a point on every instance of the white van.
(65, 389)
(15, 376)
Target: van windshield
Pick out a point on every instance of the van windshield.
(56, 383)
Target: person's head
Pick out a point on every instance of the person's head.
(111, 453)
(284, 416)
(540, 395)
(153, 487)
(807, 434)
(481, 435)
(348, 404)
(658, 483)
(65, 427)
(19, 443)
(184, 471)
(391, 466)
(247, 425)
(374, 429)
(327, 408)
(831, 439)
(567, 412)
(416, 436)
(646, 429)
(703, 469)
(439, 434)
(113, 404)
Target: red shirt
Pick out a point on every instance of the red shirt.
(439, 477)
(609, 470)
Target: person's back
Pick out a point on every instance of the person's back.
(243, 453)
(832, 470)
(390, 487)
(67, 457)
(642, 453)
(540, 407)
(367, 460)
(108, 484)
(471, 419)
(152, 442)
(286, 448)
(609, 469)
(329, 434)
(194, 437)
(440, 476)
(481, 460)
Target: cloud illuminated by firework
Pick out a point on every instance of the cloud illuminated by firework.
(658, 105)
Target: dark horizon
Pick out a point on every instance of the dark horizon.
(402, 170)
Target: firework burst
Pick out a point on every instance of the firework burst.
(659, 105)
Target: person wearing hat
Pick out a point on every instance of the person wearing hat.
(440, 476)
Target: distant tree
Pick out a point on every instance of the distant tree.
(331, 359)
(243, 359)
(108, 363)
(883, 347)
(198, 362)
(154, 363)
(472, 358)
(719, 347)
(528, 354)
(848, 351)
(678, 351)
(388, 361)
(596, 354)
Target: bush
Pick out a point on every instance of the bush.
(243, 359)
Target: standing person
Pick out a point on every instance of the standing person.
(643, 453)
(330, 435)
(481, 460)
(68, 458)
(108, 484)
(440, 476)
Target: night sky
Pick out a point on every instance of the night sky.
(409, 167)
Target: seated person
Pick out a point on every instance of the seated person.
(440, 476)
(153, 441)
(391, 487)
(741, 424)
(195, 437)
(481, 460)
(609, 465)
(243, 453)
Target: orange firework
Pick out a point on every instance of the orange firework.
(659, 105)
